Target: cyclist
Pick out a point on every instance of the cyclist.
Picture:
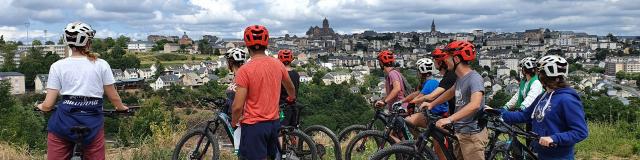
(257, 81)
(469, 92)
(557, 115)
(394, 81)
(530, 87)
(448, 80)
(425, 70)
(291, 113)
(236, 57)
(81, 79)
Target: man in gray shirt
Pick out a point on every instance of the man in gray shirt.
(469, 93)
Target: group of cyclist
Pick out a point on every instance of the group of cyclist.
(544, 101)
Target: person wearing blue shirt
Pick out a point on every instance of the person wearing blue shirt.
(425, 71)
(557, 115)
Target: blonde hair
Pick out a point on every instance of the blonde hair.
(85, 51)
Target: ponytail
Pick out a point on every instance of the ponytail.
(85, 51)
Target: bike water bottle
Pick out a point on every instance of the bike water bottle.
(236, 140)
(281, 115)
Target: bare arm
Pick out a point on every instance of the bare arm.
(113, 96)
(394, 92)
(446, 96)
(470, 108)
(237, 106)
(429, 97)
(412, 96)
(49, 100)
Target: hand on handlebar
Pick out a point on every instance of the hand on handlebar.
(380, 104)
(291, 100)
(546, 142)
(123, 108)
(442, 122)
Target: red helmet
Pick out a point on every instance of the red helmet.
(439, 55)
(256, 35)
(386, 57)
(463, 48)
(285, 56)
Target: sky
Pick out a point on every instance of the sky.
(228, 18)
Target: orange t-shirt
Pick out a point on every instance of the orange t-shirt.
(262, 77)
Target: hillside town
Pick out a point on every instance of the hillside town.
(351, 57)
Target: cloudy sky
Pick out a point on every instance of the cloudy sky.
(227, 18)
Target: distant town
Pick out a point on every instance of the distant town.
(597, 61)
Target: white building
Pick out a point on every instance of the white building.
(165, 81)
(41, 83)
(140, 46)
(17, 81)
(336, 77)
(56, 49)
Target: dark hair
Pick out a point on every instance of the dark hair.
(531, 72)
(553, 82)
(257, 48)
(462, 61)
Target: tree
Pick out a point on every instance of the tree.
(621, 75)
(49, 43)
(216, 52)
(36, 43)
(159, 45)
(601, 54)
(513, 74)
(9, 64)
(342, 110)
(109, 42)
(499, 99)
(222, 72)
(20, 43)
(122, 41)
(612, 38)
(159, 69)
(2, 40)
(36, 63)
(61, 40)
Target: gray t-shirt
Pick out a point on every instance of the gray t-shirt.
(465, 87)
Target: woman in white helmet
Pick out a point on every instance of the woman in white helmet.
(236, 57)
(557, 115)
(82, 79)
(530, 87)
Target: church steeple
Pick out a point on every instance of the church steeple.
(325, 23)
(433, 25)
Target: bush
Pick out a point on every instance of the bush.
(153, 112)
(341, 110)
(20, 125)
(171, 57)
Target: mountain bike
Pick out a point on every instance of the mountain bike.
(379, 116)
(511, 148)
(200, 142)
(396, 130)
(81, 131)
(295, 144)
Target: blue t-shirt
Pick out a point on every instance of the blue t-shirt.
(428, 87)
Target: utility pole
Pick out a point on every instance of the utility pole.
(27, 24)
(45, 36)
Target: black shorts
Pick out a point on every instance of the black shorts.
(291, 116)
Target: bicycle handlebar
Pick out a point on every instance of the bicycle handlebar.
(497, 117)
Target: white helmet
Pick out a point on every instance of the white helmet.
(78, 34)
(237, 55)
(528, 63)
(553, 66)
(425, 65)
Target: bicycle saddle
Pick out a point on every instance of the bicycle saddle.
(80, 130)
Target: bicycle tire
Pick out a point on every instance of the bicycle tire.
(304, 138)
(404, 151)
(347, 131)
(197, 132)
(378, 135)
(336, 144)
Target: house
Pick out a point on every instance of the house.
(145, 73)
(131, 74)
(210, 77)
(171, 47)
(191, 80)
(304, 78)
(16, 79)
(41, 83)
(503, 70)
(165, 81)
(336, 77)
(139, 46)
(117, 74)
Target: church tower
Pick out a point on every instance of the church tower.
(433, 26)
(325, 23)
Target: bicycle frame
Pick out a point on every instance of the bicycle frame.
(379, 115)
(504, 128)
(439, 135)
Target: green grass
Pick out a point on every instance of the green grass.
(607, 140)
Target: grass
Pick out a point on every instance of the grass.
(610, 141)
(149, 58)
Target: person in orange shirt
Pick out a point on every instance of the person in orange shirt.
(255, 106)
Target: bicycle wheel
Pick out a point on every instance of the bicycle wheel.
(350, 131)
(298, 145)
(401, 152)
(365, 144)
(197, 145)
(325, 140)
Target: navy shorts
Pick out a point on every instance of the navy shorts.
(259, 141)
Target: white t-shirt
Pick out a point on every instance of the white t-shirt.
(78, 76)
